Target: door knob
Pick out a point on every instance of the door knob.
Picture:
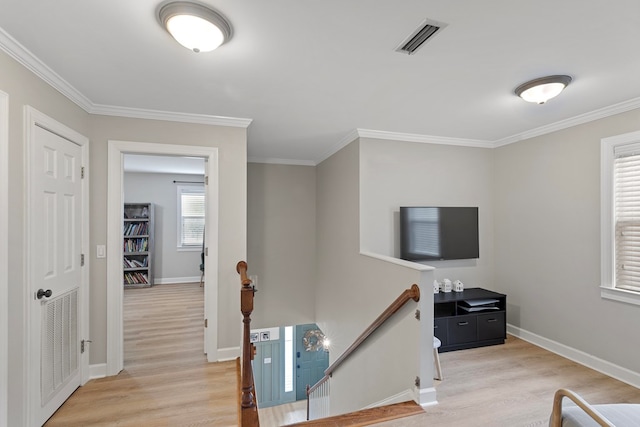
(42, 293)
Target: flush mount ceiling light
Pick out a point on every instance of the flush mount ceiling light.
(543, 89)
(194, 26)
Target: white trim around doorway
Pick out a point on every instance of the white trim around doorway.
(115, 289)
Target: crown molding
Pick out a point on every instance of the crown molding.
(23, 56)
(346, 140)
(275, 161)
(425, 139)
(591, 116)
(139, 113)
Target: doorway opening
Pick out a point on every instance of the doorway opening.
(117, 150)
(163, 227)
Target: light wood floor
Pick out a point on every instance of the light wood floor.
(167, 382)
(166, 379)
(510, 385)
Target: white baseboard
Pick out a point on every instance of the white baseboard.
(97, 371)
(618, 372)
(426, 396)
(403, 396)
(229, 353)
(172, 280)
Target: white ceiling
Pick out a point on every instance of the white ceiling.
(308, 73)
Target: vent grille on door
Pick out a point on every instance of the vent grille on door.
(424, 32)
(59, 343)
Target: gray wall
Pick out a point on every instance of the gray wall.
(353, 290)
(232, 165)
(282, 243)
(169, 264)
(395, 173)
(547, 241)
(24, 88)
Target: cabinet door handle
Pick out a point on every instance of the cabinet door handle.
(463, 323)
(435, 326)
(491, 320)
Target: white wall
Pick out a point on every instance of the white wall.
(547, 241)
(170, 265)
(396, 173)
(282, 243)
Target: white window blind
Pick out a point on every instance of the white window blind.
(191, 208)
(627, 221)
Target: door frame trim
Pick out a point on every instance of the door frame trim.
(115, 291)
(4, 257)
(32, 119)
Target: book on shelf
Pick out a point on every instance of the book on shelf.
(136, 245)
(135, 263)
(136, 229)
(135, 278)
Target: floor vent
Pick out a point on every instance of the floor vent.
(425, 32)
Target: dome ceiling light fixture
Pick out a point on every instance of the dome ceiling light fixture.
(542, 89)
(195, 26)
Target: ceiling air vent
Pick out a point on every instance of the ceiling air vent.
(425, 31)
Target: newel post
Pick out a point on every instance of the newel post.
(248, 404)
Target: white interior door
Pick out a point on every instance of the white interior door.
(55, 245)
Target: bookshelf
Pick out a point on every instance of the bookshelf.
(137, 237)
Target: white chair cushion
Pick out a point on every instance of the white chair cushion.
(619, 414)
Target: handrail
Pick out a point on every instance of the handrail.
(248, 405)
(556, 413)
(412, 293)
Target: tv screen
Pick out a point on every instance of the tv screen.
(438, 233)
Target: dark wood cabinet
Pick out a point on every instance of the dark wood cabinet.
(474, 317)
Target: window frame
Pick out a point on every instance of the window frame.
(182, 189)
(609, 146)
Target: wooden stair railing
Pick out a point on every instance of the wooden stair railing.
(412, 293)
(248, 402)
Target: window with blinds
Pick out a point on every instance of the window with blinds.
(627, 221)
(191, 208)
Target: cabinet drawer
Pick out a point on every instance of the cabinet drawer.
(462, 329)
(440, 330)
(491, 326)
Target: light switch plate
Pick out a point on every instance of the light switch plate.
(101, 251)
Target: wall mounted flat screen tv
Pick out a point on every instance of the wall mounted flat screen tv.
(438, 233)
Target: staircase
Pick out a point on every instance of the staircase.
(366, 417)
(317, 394)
